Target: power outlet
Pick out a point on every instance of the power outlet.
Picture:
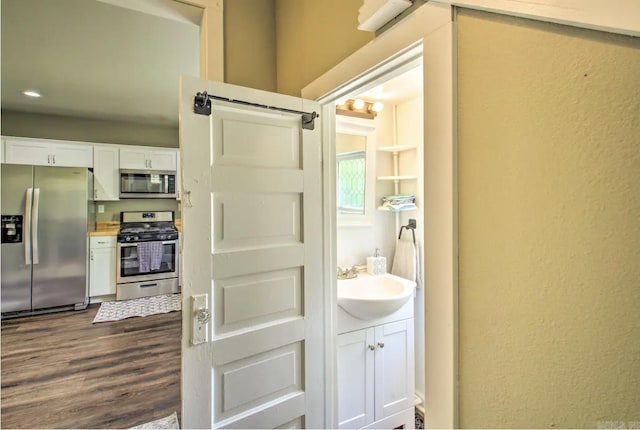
(100, 209)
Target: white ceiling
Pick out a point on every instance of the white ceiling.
(396, 90)
(93, 59)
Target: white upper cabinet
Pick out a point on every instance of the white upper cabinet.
(163, 160)
(140, 158)
(106, 172)
(41, 152)
(178, 177)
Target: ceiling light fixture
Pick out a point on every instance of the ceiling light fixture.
(31, 93)
(376, 107)
(358, 104)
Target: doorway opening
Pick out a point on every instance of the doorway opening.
(395, 188)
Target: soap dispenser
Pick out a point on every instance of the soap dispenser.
(377, 265)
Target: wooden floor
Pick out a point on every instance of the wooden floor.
(62, 371)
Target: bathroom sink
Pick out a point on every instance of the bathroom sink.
(370, 297)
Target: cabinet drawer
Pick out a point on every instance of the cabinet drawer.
(102, 242)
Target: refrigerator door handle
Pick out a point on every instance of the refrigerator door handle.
(36, 207)
(27, 226)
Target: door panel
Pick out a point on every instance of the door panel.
(252, 231)
(27, 151)
(162, 160)
(133, 158)
(355, 379)
(279, 373)
(69, 155)
(394, 368)
(16, 273)
(266, 140)
(257, 299)
(60, 276)
(278, 223)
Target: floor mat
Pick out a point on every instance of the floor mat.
(170, 422)
(142, 307)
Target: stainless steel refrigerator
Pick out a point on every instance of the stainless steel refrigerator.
(45, 212)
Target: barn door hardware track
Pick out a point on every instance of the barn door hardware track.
(202, 106)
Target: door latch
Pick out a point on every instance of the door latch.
(200, 318)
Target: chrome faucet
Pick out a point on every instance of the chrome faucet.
(348, 273)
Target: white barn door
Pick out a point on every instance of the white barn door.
(252, 223)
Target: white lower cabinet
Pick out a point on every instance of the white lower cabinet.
(102, 266)
(376, 376)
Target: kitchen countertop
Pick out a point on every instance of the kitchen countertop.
(111, 228)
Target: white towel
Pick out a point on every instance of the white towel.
(149, 256)
(405, 261)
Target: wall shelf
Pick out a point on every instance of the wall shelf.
(396, 148)
(387, 209)
(397, 178)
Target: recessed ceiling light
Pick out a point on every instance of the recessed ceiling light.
(31, 93)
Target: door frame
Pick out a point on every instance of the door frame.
(431, 29)
(211, 38)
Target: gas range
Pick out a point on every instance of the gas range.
(147, 226)
(148, 250)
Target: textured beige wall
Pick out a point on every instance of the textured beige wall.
(250, 43)
(549, 200)
(312, 37)
(28, 124)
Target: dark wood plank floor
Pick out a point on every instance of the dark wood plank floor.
(62, 371)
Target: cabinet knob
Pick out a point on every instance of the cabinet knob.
(381, 344)
(372, 347)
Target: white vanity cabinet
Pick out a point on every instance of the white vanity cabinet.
(146, 158)
(43, 152)
(106, 169)
(102, 266)
(376, 376)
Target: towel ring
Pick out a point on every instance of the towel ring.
(411, 226)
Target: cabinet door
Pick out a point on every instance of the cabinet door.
(162, 159)
(394, 368)
(26, 151)
(106, 175)
(134, 158)
(355, 379)
(178, 177)
(102, 272)
(71, 155)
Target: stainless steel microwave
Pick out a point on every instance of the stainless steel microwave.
(147, 184)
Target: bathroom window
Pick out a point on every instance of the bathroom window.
(351, 167)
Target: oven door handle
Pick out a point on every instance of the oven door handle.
(130, 244)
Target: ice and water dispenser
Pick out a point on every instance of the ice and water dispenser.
(11, 226)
